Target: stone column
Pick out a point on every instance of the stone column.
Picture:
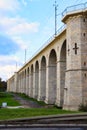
(8, 85)
(30, 83)
(34, 88)
(46, 99)
(39, 88)
(42, 88)
(27, 83)
(31, 94)
(16, 82)
(22, 82)
(58, 99)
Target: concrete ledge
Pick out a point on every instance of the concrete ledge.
(14, 107)
(46, 126)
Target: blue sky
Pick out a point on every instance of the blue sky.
(26, 25)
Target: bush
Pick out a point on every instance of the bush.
(83, 107)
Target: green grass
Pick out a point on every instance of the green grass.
(6, 113)
(8, 98)
(26, 112)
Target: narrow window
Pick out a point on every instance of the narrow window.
(84, 20)
(84, 34)
(84, 63)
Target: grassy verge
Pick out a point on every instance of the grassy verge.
(31, 99)
(26, 112)
(8, 98)
(6, 113)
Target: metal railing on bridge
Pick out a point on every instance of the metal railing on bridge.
(79, 7)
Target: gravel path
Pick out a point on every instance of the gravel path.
(27, 103)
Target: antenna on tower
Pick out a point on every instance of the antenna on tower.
(55, 5)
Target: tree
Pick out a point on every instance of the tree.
(3, 85)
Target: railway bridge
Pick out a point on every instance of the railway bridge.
(57, 74)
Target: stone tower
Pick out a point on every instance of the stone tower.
(75, 91)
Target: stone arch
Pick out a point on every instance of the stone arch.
(52, 77)
(43, 79)
(36, 79)
(31, 87)
(62, 71)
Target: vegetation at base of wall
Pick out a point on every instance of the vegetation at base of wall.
(31, 99)
(8, 98)
(6, 113)
(83, 107)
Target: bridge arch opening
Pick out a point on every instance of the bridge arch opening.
(52, 77)
(43, 79)
(36, 79)
(62, 71)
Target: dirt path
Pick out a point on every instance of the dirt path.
(27, 103)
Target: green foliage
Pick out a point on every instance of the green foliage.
(83, 107)
(3, 85)
(8, 98)
(5, 94)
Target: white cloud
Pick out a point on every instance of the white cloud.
(9, 65)
(17, 27)
(9, 5)
(8, 22)
(23, 28)
(16, 23)
(24, 2)
(21, 42)
(7, 58)
(7, 71)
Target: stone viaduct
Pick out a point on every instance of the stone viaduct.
(57, 74)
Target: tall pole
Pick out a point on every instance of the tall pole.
(25, 55)
(16, 66)
(55, 5)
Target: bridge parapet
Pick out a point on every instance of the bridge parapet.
(70, 9)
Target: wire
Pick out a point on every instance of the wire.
(76, 1)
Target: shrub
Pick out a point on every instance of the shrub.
(83, 107)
